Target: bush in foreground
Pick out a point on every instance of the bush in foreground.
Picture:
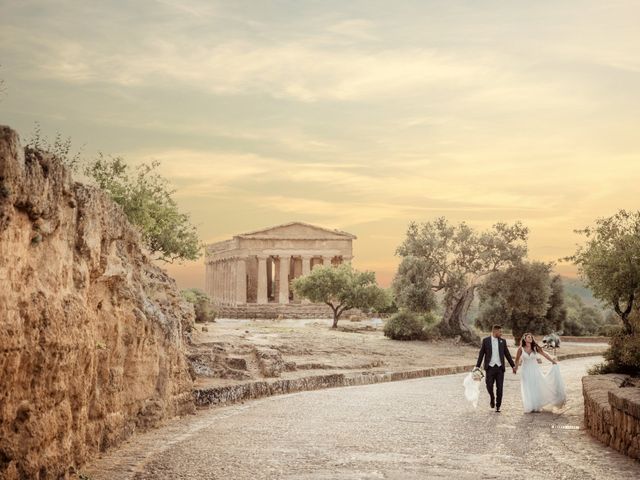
(201, 304)
(410, 326)
(623, 355)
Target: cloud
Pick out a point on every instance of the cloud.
(356, 29)
(302, 72)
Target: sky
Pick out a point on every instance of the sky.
(359, 115)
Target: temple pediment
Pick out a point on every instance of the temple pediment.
(298, 230)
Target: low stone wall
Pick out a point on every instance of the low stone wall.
(238, 393)
(612, 411)
(229, 394)
(565, 338)
(274, 311)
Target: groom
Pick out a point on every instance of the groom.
(494, 350)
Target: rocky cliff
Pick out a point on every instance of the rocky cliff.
(91, 332)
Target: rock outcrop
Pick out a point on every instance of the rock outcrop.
(92, 334)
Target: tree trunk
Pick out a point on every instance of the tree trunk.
(454, 321)
(335, 319)
(624, 315)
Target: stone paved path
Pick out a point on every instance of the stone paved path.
(415, 429)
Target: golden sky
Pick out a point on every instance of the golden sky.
(359, 115)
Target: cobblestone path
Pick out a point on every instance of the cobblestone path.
(416, 429)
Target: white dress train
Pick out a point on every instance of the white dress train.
(471, 389)
(539, 390)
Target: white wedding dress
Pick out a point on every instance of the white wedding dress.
(539, 390)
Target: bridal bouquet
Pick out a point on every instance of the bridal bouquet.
(477, 374)
(472, 386)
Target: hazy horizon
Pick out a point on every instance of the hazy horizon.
(360, 116)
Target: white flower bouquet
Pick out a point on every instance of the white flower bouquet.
(477, 374)
(471, 385)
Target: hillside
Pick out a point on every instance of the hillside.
(575, 286)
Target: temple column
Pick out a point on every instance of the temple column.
(262, 279)
(217, 281)
(306, 269)
(230, 280)
(285, 263)
(241, 280)
(206, 277)
(213, 281)
(214, 287)
(326, 260)
(225, 281)
(223, 277)
(306, 265)
(233, 279)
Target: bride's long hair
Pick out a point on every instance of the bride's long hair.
(534, 345)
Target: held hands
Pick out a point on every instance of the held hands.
(515, 370)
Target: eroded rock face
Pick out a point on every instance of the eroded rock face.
(91, 332)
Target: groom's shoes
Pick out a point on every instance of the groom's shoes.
(498, 410)
(492, 403)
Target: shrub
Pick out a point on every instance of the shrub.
(623, 355)
(429, 326)
(609, 330)
(391, 307)
(201, 304)
(410, 326)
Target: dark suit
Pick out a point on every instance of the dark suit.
(495, 374)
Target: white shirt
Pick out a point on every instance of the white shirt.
(495, 353)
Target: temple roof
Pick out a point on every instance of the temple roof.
(297, 230)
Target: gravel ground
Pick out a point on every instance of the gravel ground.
(414, 429)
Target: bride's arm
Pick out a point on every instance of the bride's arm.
(545, 355)
(518, 355)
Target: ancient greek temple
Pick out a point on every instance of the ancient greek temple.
(258, 267)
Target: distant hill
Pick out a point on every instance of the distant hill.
(575, 286)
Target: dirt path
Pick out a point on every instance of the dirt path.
(404, 430)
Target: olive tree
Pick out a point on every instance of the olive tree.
(609, 262)
(524, 297)
(342, 288)
(412, 285)
(454, 259)
(147, 200)
(144, 195)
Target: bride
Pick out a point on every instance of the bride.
(537, 388)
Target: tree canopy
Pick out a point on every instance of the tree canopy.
(342, 288)
(412, 285)
(525, 298)
(453, 259)
(144, 195)
(147, 201)
(609, 262)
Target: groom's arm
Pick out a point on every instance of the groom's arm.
(508, 356)
(480, 355)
